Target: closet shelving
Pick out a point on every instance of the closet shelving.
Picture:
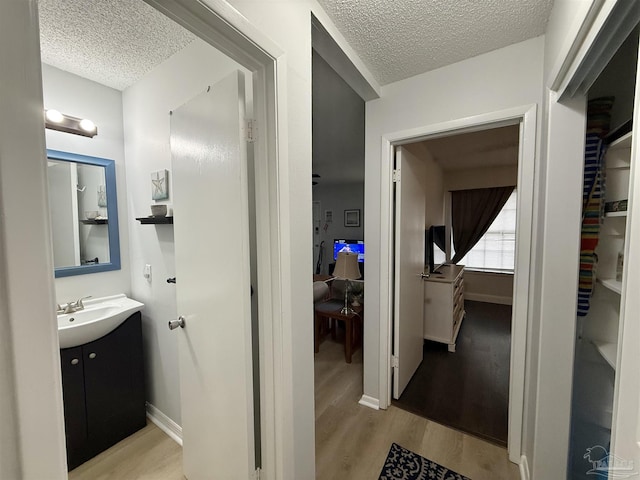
(608, 350)
(612, 284)
(612, 233)
(615, 214)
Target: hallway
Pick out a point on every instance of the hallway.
(352, 441)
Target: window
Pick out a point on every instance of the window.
(496, 249)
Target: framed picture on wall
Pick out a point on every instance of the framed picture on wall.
(159, 185)
(352, 218)
(102, 195)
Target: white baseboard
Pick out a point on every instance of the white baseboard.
(370, 402)
(481, 297)
(524, 468)
(164, 423)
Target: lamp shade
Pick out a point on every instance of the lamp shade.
(347, 266)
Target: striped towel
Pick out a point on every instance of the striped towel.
(592, 212)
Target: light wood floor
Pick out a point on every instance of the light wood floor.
(352, 441)
(148, 454)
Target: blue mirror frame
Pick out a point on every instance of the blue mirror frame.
(112, 213)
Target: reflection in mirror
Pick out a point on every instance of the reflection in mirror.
(84, 219)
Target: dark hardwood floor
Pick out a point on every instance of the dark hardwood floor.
(469, 389)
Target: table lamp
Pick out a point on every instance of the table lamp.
(347, 269)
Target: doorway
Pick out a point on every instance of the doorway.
(463, 379)
(338, 114)
(525, 118)
(261, 64)
(338, 137)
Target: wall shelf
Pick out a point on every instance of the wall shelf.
(155, 220)
(96, 221)
(621, 143)
(611, 284)
(622, 213)
(608, 350)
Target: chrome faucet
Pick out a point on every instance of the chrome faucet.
(72, 306)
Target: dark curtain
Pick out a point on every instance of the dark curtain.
(472, 213)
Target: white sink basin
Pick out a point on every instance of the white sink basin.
(99, 317)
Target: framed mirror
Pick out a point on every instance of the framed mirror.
(84, 213)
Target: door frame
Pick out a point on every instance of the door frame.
(223, 27)
(526, 116)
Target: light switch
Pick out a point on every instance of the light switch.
(147, 272)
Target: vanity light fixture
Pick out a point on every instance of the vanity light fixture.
(66, 123)
(53, 116)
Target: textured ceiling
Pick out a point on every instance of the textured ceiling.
(113, 42)
(488, 148)
(397, 39)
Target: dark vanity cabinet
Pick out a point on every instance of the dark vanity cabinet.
(103, 389)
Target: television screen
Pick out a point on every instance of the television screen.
(354, 246)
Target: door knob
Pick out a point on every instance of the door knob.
(173, 324)
(424, 276)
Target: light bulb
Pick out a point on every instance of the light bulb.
(54, 116)
(87, 125)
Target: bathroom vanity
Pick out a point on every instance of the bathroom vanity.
(103, 389)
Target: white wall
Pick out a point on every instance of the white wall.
(338, 198)
(271, 16)
(32, 432)
(485, 177)
(337, 156)
(488, 287)
(338, 127)
(555, 291)
(567, 16)
(494, 81)
(554, 283)
(84, 98)
(146, 112)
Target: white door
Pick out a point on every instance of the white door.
(409, 266)
(210, 201)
